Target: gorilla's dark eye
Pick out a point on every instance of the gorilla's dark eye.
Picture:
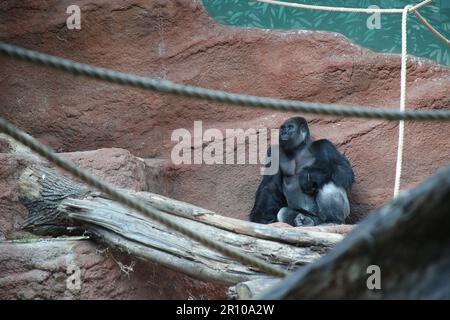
(290, 126)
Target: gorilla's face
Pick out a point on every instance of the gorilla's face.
(293, 133)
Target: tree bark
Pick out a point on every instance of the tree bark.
(59, 206)
(251, 289)
(321, 236)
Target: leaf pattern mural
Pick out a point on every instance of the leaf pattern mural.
(421, 43)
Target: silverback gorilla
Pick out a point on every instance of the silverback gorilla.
(312, 182)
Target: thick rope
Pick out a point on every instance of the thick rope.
(401, 125)
(343, 9)
(412, 9)
(438, 35)
(404, 11)
(215, 95)
(135, 204)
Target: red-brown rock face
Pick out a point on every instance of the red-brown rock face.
(41, 270)
(176, 40)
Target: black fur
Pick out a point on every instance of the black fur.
(269, 200)
(329, 165)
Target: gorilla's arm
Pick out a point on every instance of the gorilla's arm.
(332, 165)
(269, 200)
(269, 197)
(312, 178)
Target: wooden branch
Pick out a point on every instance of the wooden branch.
(335, 228)
(100, 212)
(59, 206)
(408, 239)
(323, 236)
(251, 289)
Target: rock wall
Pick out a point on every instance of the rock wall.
(41, 270)
(176, 40)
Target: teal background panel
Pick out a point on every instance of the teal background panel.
(421, 43)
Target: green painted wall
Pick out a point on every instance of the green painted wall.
(251, 14)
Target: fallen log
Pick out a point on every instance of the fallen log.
(322, 236)
(408, 240)
(251, 289)
(60, 206)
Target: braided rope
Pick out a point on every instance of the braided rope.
(343, 9)
(401, 125)
(132, 203)
(438, 35)
(404, 12)
(412, 9)
(215, 95)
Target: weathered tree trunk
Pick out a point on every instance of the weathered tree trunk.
(251, 289)
(59, 206)
(408, 239)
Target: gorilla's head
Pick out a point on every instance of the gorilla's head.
(294, 133)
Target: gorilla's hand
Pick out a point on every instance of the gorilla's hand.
(312, 179)
(303, 220)
(294, 217)
(307, 185)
